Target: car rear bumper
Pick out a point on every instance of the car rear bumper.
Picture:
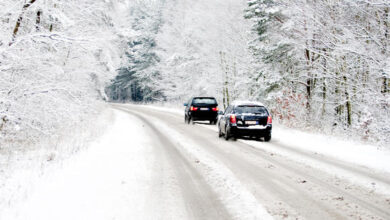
(199, 116)
(251, 130)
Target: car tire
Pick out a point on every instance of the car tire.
(227, 135)
(267, 138)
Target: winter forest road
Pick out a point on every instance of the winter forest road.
(221, 179)
(149, 164)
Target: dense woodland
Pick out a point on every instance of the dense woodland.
(320, 65)
(316, 64)
(325, 62)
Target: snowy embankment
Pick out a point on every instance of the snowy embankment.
(21, 170)
(304, 147)
(55, 58)
(86, 185)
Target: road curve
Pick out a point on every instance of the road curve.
(200, 201)
(288, 189)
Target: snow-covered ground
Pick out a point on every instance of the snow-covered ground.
(102, 182)
(23, 165)
(347, 150)
(147, 166)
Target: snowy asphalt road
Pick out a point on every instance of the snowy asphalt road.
(287, 189)
(172, 169)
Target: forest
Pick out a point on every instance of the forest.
(318, 65)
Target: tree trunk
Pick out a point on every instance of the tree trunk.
(385, 49)
(38, 20)
(348, 103)
(308, 82)
(19, 21)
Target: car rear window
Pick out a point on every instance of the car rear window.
(251, 109)
(204, 101)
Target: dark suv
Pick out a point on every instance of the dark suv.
(201, 109)
(245, 119)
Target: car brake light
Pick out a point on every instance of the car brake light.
(215, 109)
(193, 108)
(233, 119)
(269, 120)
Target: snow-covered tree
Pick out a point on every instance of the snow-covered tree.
(55, 58)
(324, 62)
(137, 77)
(203, 49)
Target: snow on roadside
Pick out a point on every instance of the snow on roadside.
(174, 110)
(87, 186)
(21, 168)
(344, 150)
(239, 202)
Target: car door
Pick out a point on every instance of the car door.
(224, 118)
(188, 107)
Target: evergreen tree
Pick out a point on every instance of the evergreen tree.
(137, 78)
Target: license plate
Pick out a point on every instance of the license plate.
(204, 109)
(251, 122)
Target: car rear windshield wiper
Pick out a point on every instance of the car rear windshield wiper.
(259, 113)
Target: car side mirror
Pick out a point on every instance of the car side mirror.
(185, 104)
(220, 112)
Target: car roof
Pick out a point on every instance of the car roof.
(237, 103)
(203, 97)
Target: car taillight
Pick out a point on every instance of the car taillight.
(215, 109)
(233, 119)
(193, 108)
(269, 120)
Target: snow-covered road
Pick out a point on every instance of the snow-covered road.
(150, 165)
(302, 185)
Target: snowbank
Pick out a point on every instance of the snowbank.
(22, 169)
(346, 150)
(85, 186)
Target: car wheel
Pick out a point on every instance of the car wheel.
(227, 134)
(267, 138)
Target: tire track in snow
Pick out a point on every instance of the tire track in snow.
(363, 202)
(238, 201)
(201, 202)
